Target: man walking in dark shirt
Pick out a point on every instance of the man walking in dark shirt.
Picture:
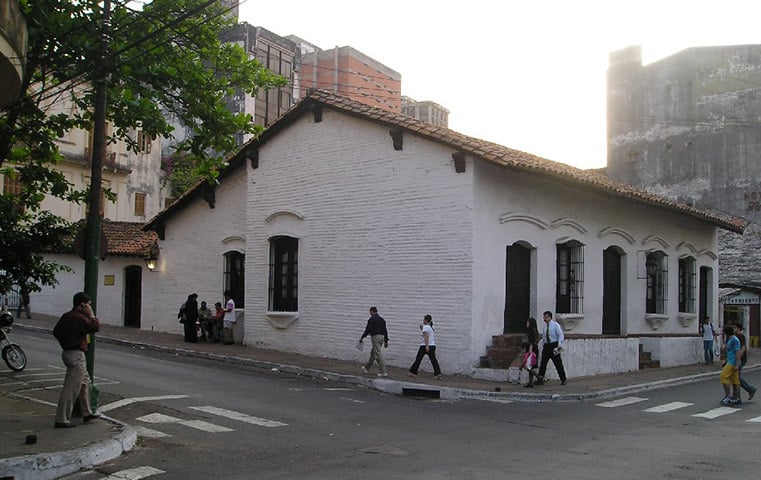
(376, 329)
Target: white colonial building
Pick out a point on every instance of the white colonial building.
(339, 206)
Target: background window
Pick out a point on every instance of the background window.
(140, 204)
(656, 266)
(570, 278)
(234, 278)
(687, 281)
(283, 282)
(144, 142)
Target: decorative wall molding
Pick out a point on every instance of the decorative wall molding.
(522, 217)
(616, 231)
(280, 213)
(655, 320)
(568, 222)
(282, 320)
(686, 319)
(234, 238)
(569, 320)
(708, 253)
(687, 246)
(656, 239)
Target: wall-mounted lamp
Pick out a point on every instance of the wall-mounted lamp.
(152, 258)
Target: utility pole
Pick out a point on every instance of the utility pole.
(93, 228)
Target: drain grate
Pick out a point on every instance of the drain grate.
(421, 392)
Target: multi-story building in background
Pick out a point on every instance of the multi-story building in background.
(689, 127)
(351, 73)
(426, 111)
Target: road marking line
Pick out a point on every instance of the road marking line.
(149, 432)
(197, 424)
(668, 407)
(756, 420)
(621, 402)
(492, 399)
(351, 400)
(135, 473)
(127, 401)
(241, 417)
(717, 412)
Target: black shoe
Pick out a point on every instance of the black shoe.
(528, 385)
(563, 382)
(64, 425)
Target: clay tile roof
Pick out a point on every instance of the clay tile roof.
(489, 151)
(128, 238)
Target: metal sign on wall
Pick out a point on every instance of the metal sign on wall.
(744, 298)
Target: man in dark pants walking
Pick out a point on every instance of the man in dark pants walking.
(376, 330)
(553, 345)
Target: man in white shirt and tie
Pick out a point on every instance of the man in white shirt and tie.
(553, 345)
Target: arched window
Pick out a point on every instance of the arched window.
(234, 279)
(570, 278)
(284, 274)
(656, 266)
(687, 284)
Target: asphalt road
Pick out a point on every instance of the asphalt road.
(205, 419)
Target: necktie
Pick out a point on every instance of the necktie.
(547, 335)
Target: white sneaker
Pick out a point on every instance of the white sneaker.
(364, 370)
(384, 374)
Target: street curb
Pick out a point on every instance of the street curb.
(396, 386)
(49, 466)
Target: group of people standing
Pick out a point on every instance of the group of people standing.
(216, 326)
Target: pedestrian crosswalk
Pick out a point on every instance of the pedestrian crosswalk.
(709, 414)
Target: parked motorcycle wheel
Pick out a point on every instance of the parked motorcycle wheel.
(14, 357)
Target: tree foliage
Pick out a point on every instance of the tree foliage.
(164, 60)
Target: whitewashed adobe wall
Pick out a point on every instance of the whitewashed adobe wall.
(110, 301)
(377, 227)
(191, 255)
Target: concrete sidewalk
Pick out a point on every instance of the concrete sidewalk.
(58, 452)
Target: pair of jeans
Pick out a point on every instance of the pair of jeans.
(708, 350)
(743, 383)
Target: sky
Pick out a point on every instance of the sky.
(529, 75)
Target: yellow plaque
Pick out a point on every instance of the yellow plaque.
(108, 280)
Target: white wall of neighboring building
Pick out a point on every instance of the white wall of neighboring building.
(191, 258)
(110, 301)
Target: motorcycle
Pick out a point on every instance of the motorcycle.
(12, 354)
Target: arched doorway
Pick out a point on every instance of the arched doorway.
(611, 291)
(133, 291)
(517, 288)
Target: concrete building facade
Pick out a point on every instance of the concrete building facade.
(687, 127)
(426, 111)
(353, 74)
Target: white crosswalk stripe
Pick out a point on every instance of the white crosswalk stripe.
(621, 402)
(197, 424)
(756, 420)
(146, 432)
(668, 407)
(241, 417)
(135, 473)
(717, 412)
